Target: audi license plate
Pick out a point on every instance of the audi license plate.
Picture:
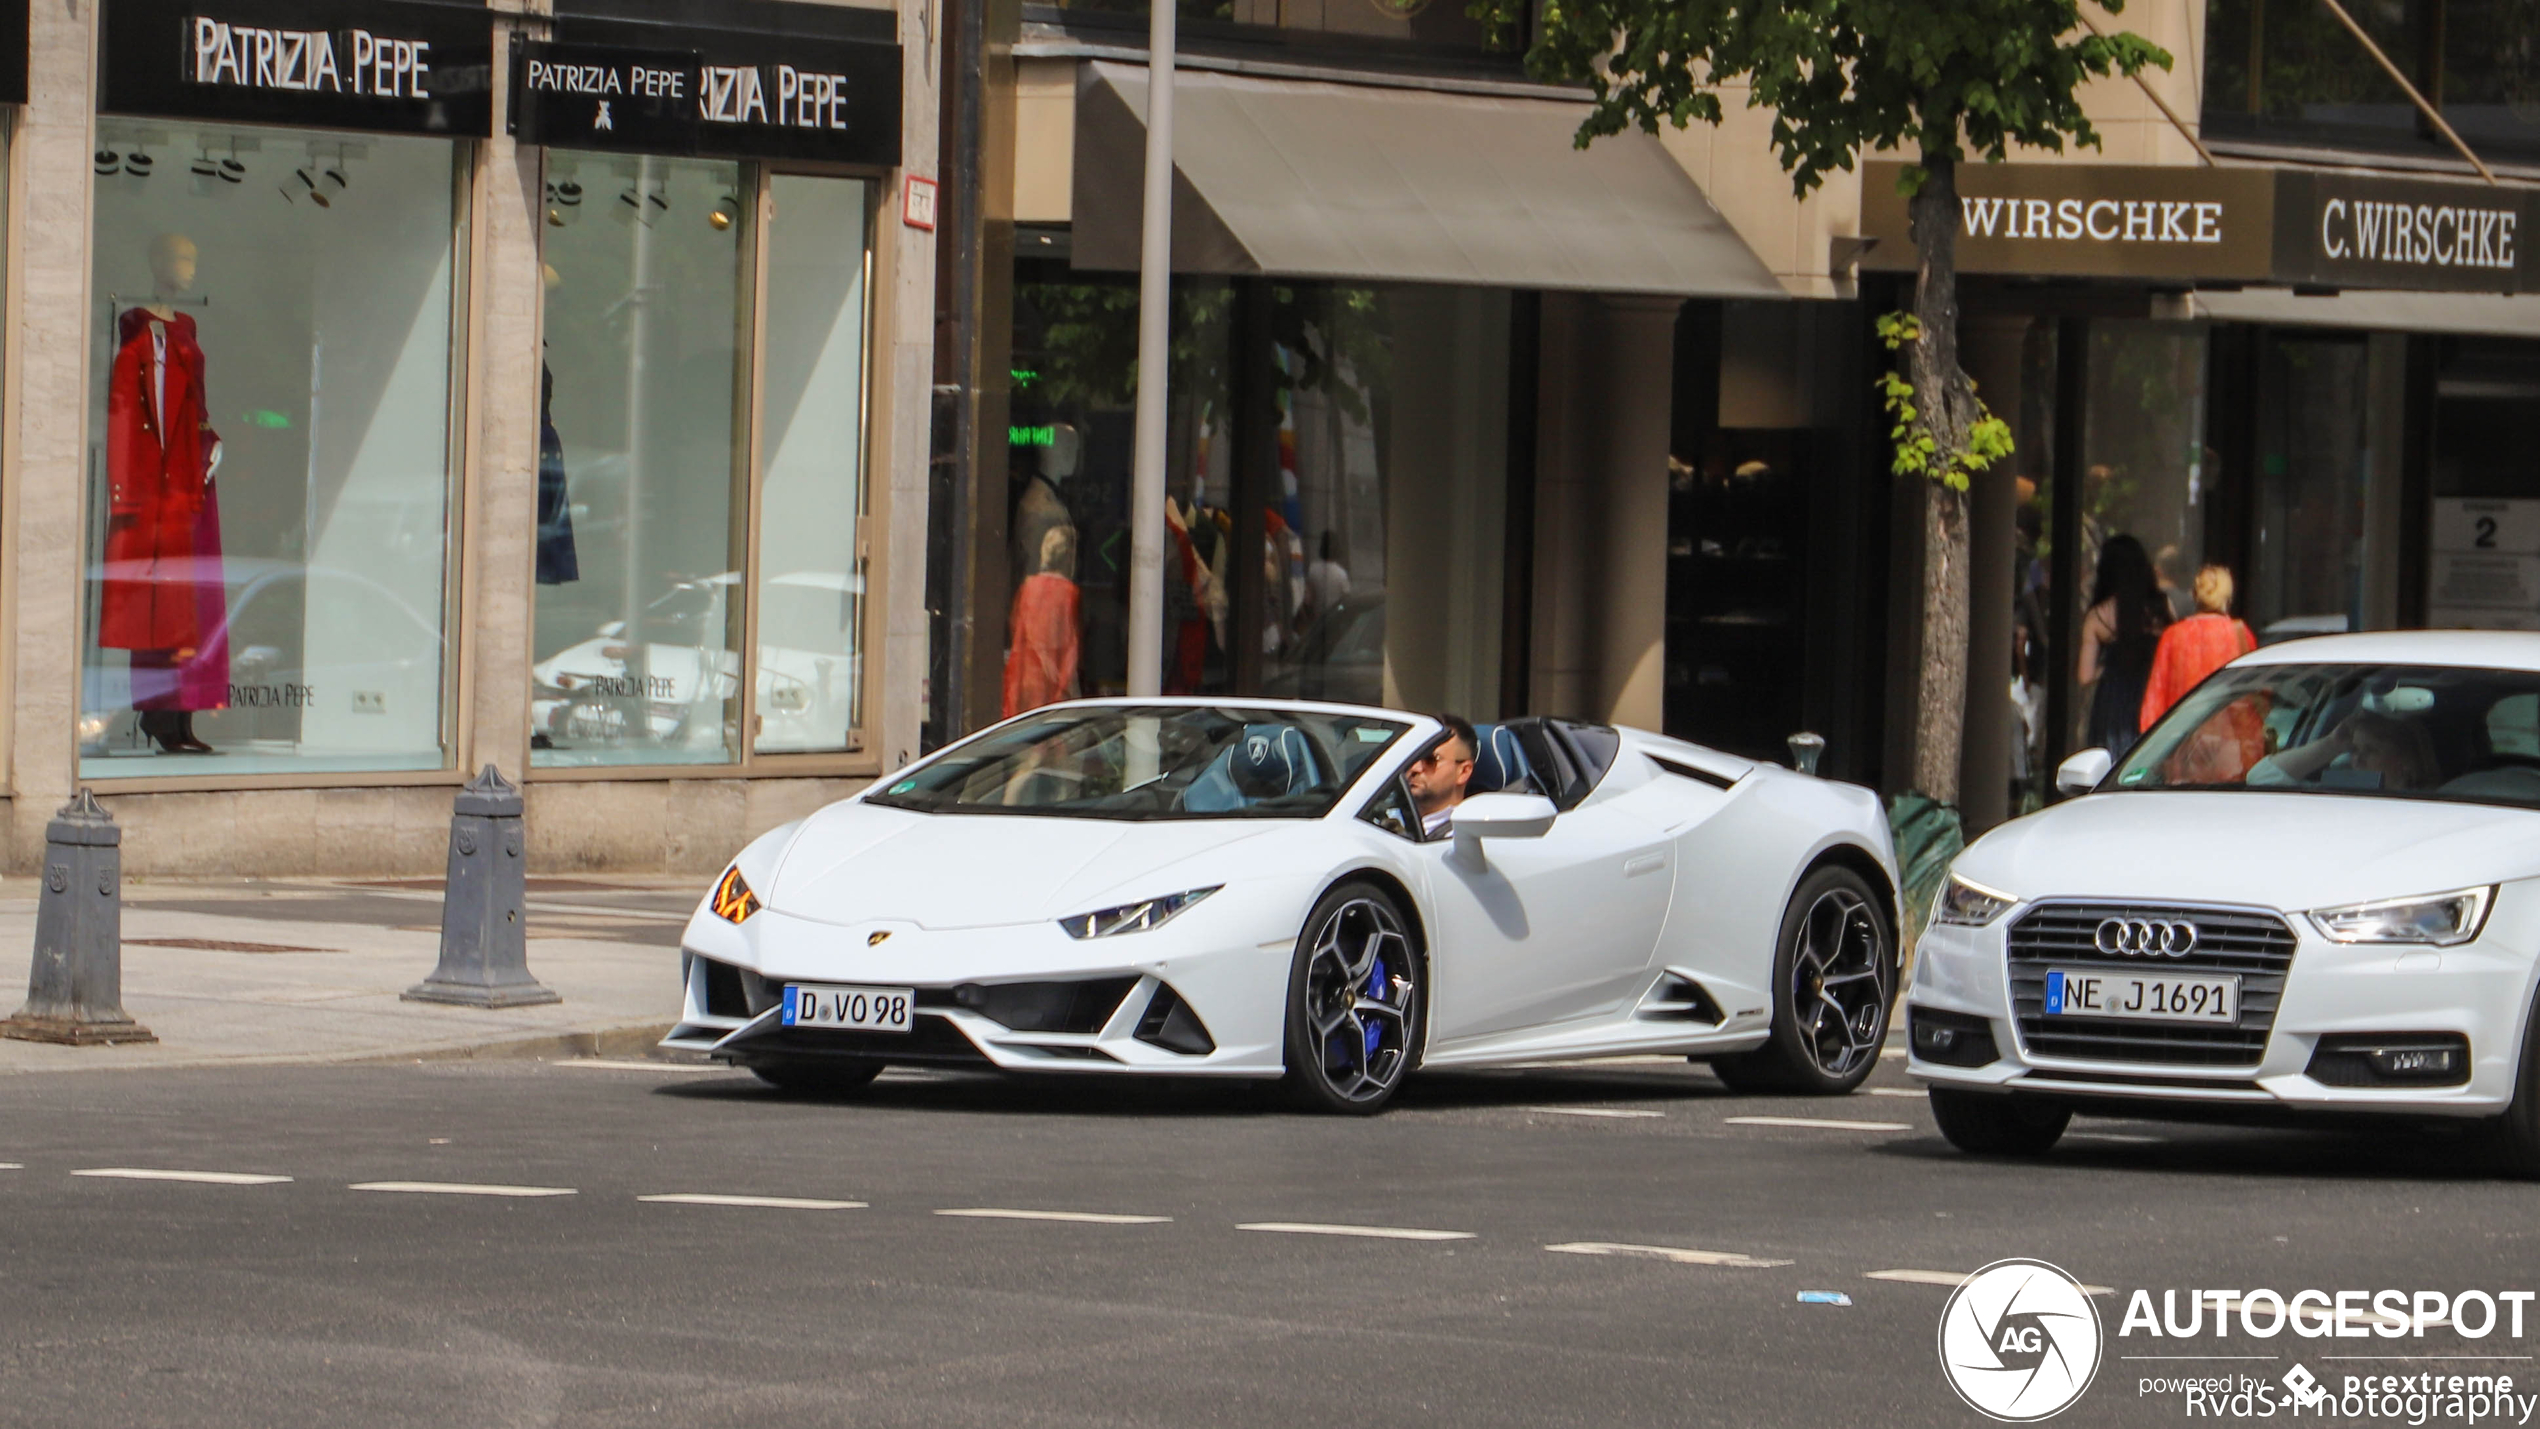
(2145, 996)
(860, 1009)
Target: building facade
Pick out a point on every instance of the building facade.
(1444, 435)
(397, 388)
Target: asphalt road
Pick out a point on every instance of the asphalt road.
(134, 1301)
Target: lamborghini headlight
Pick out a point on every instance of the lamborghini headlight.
(733, 900)
(2440, 919)
(1969, 905)
(1138, 917)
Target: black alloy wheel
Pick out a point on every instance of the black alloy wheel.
(1354, 1003)
(818, 1076)
(1834, 980)
(1991, 1124)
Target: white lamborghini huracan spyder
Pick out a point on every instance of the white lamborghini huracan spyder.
(1241, 888)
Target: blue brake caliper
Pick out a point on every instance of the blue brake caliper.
(1376, 992)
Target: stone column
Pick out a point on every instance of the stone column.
(50, 193)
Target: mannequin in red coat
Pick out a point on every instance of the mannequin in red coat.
(163, 596)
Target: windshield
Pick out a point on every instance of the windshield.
(1152, 762)
(2390, 731)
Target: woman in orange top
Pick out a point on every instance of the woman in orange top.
(2197, 646)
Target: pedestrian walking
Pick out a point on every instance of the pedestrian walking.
(2118, 639)
(2197, 646)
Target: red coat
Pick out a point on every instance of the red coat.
(161, 560)
(1040, 658)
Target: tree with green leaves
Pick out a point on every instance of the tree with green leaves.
(1937, 79)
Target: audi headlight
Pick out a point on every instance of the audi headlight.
(1969, 905)
(1138, 917)
(2440, 919)
(733, 900)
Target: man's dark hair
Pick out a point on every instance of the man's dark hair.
(1462, 729)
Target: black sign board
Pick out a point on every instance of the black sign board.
(13, 47)
(386, 66)
(744, 94)
(2343, 230)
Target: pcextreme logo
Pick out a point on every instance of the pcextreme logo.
(2019, 1341)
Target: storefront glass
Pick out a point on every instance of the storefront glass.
(2483, 571)
(269, 452)
(811, 540)
(1377, 533)
(2293, 72)
(638, 629)
(2145, 467)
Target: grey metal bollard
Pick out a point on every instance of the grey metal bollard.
(484, 938)
(74, 993)
(1806, 748)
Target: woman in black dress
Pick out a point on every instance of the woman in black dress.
(2118, 638)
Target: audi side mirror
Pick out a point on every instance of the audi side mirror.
(2082, 773)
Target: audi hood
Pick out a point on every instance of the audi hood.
(2288, 851)
(855, 863)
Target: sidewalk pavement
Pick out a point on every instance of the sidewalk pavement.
(237, 972)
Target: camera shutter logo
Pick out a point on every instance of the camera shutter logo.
(2147, 937)
(2019, 1341)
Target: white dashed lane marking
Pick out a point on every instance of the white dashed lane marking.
(624, 1064)
(1679, 1254)
(208, 1178)
(458, 1188)
(1915, 1092)
(1091, 1218)
(773, 1203)
(1952, 1279)
(1818, 1124)
(1619, 1113)
(12, 1165)
(1370, 1232)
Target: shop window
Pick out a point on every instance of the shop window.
(1356, 554)
(809, 682)
(269, 456)
(2484, 526)
(639, 563)
(2292, 72)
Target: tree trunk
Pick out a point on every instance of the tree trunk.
(1945, 404)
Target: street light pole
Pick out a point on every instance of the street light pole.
(1155, 278)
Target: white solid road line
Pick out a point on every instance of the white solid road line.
(12, 1165)
(1818, 1123)
(773, 1203)
(458, 1188)
(1616, 1112)
(1371, 1232)
(1678, 1254)
(208, 1178)
(1954, 1278)
(1899, 1092)
(617, 1064)
(1091, 1218)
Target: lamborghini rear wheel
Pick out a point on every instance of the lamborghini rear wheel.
(818, 1076)
(1834, 978)
(1354, 1003)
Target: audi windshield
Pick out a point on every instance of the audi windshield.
(2469, 736)
(1151, 762)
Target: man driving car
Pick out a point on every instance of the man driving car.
(1438, 778)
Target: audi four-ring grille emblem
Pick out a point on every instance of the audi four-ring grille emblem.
(2146, 937)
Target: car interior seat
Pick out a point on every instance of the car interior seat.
(1265, 762)
(1499, 763)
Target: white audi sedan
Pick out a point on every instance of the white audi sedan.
(2312, 888)
(1247, 889)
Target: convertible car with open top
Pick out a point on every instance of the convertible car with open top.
(1243, 888)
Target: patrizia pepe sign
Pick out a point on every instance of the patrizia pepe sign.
(2248, 225)
(822, 98)
(388, 65)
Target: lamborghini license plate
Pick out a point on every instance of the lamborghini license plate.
(858, 1009)
(2150, 997)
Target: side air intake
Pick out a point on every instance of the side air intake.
(1170, 1024)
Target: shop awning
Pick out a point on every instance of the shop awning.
(2472, 314)
(1305, 179)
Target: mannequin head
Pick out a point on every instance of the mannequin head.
(172, 262)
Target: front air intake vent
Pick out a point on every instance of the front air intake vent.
(1170, 1024)
(1678, 998)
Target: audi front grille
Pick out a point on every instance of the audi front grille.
(2258, 946)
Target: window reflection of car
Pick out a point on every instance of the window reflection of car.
(679, 697)
(275, 678)
(1341, 656)
(2311, 889)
